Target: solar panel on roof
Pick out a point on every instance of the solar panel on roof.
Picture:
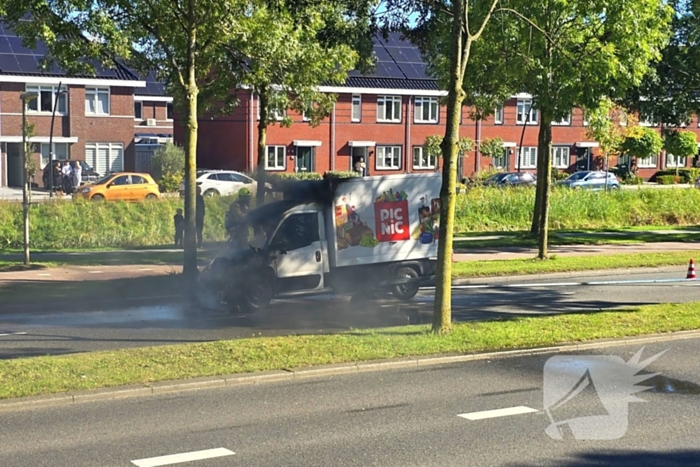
(421, 70)
(409, 71)
(18, 47)
(9, 64)
(412, 55)
(5, 46)
(27, 64)
(382, 70)
(382, 54)
(394, 71)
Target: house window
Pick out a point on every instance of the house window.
(138, 110)
(498, 116)
(60, 152)
(388, 157)
(356, 108)
(648, 121)
(526, 111)
(421, 160)
(648, 162)
(105, 157)
(389, 109)
(564, 121)
(561, 157)
(169, 111)
(276, 115)
(585, 119)
(527, 157)
(275, 159)
(426, 110)
(96, 101)
(46, 99)
(673, 161)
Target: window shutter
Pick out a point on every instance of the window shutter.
(103, 165)
(116, 158)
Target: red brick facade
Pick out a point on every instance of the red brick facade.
(231, 142)
(76, 128)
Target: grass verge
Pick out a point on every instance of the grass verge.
(555, 264)
(47, 375)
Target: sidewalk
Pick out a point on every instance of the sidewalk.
(82, 273)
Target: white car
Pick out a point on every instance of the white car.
(222, 183)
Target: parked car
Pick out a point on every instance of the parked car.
(121, 186)
(511, 179)
(591, 180)
(88, 174)
(222, 183)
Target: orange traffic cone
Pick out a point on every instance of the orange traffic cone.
(691, 270)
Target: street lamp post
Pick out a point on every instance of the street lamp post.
(25, 176)
(53, 116)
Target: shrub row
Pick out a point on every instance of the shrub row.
(80, 224)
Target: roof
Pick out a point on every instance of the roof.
(153, 87)
(18, 60)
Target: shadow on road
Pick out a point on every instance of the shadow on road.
(684, 458)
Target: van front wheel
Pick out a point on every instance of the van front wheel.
(408, 290)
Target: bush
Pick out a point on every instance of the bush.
(558, 175)
(170, 183)
(684, 176)
(667, 179)
(168, 167)
(340, 174)
(294, 176)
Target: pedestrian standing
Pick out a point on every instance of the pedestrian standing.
(360, 167)
(179, 220)
(67, 173)
(200, 216)
(57, 174)
(77, 174)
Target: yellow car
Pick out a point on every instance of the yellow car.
(122, 186)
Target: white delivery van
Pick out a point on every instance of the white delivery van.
(343, 236)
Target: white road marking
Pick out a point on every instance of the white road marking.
(13, 334)
(44, 274)
(497, 413)
(145, 269)
(184, 457)
(95, 272)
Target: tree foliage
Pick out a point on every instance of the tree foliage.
(168, 166)
(681, 143)
(641, 142)
(491, 147)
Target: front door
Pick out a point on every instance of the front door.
(583, 159)
(355, 154)
(299, 253)
(305, 159)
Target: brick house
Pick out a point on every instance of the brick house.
(95, 116)
(385, 118)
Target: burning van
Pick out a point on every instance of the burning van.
(346, 236)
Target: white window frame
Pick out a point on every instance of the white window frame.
(566, 121)
(520, 115)
(426, 162)
(650, 162)
(498, 116)
(45, 152)
(532, 151)
(381, 157)
(419, 107)
(356, 105)
(140, 105)
(648, 123)
(585, 120)
(275, 113)
(110, 147)
(37, 101)
(279, 150)
(673, 161)
(396, 106)
(96, 92)
(561, 157)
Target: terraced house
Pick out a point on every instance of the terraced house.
(385, 117)
(107, 120)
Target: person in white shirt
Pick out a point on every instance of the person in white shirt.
(77, 174)
(67, 178)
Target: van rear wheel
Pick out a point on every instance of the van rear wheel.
(409, 290)
(257, 295)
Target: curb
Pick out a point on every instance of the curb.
(165, 387)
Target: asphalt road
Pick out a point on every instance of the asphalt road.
(390, 418)
(58, 332)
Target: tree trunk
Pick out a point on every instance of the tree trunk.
(189, 269)
(262, 141)
(544, 169)
(442, 310)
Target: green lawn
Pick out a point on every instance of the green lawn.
(46, 375)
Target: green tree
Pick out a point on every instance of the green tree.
(681, 144)
(491, 147)
(452, 27)
(289, 49)
(641, 142)
(604, 127)
(168, 166)
(433, 147)
(575, 53)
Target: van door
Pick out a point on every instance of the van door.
(298, 255)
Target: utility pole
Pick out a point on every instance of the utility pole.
(25, 176)
(53, 116)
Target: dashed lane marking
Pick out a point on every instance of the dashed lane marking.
(95, 272)
(497, 413)
(44, 274)
(13, 334)
(184, 457)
